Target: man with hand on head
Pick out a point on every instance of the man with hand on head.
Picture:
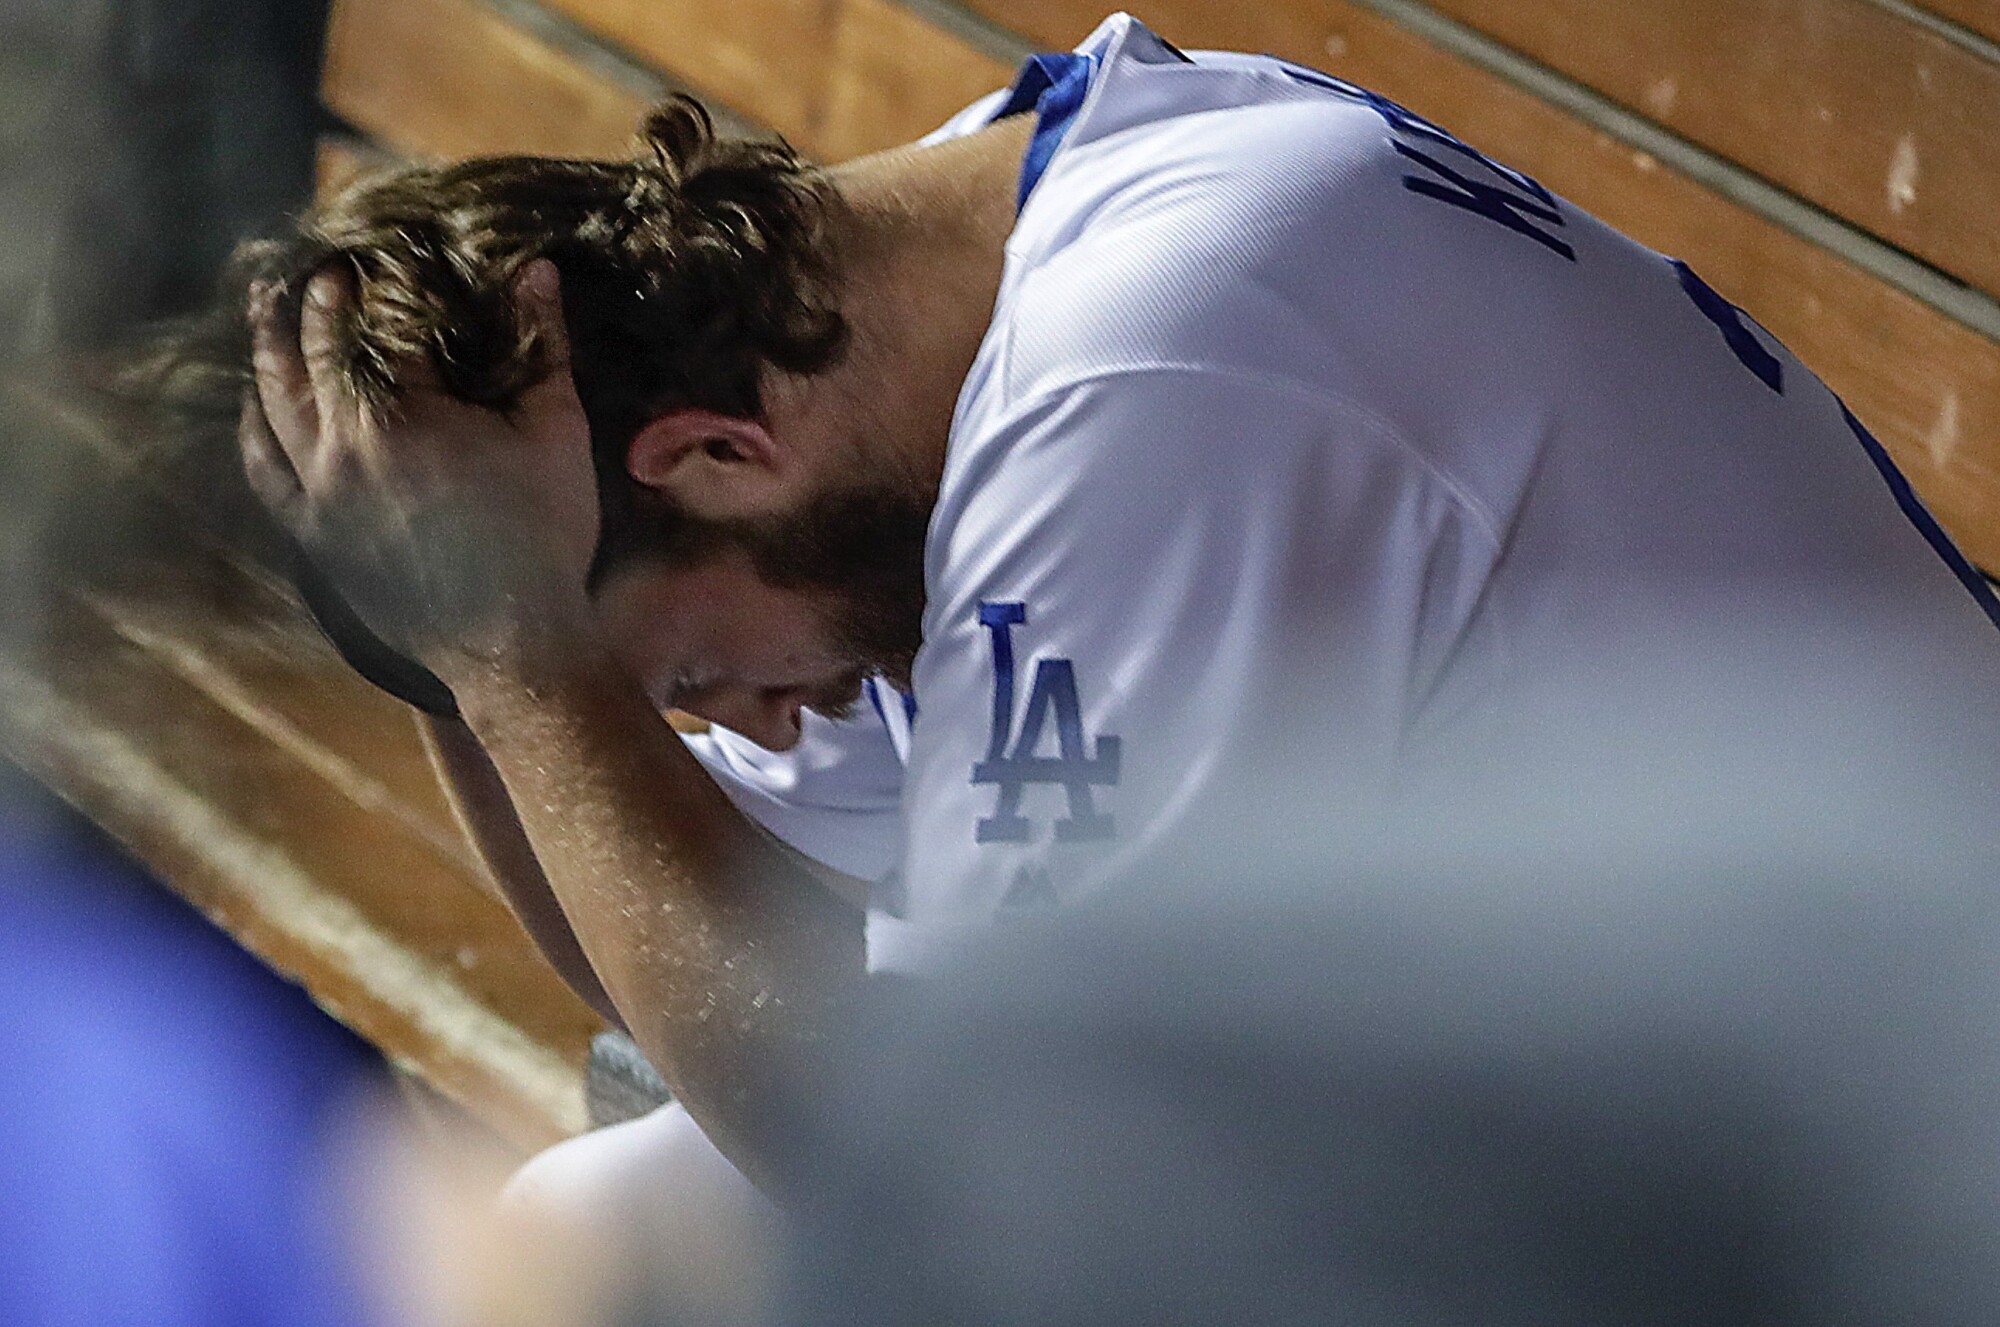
(1004, 498)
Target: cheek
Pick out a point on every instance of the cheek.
(719, 621)
(641, 634)
(789, 644)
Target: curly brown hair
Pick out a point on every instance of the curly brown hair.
(686, 270)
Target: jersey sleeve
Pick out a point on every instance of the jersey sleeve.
(836, 796)
(1143, 587)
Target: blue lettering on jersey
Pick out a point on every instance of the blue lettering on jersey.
(1728, 319)
(1077, 766)
(1920, 516)
(1518, 206)
(1509, 210)
(1032, 888)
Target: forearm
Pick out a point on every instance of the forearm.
(486, 813)
(730, 964)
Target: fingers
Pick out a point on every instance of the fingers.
(328, 295)
(284, 389)
(270, 473)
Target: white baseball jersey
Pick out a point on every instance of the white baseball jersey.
(1300, 420)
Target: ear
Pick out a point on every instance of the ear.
(715, 466)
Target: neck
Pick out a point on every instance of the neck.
(921, 233)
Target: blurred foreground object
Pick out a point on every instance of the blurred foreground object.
(1678, 1010)
(151, 136)
(168, 1109)
(655, 1227)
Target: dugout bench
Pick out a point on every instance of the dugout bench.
(1833, 166)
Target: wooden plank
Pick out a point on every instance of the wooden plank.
(1872, 117)
(451, 78)
(255, 657)
(836, 78)
(1981, 16)
(766, 59)
(894, 77)
(1928, 386)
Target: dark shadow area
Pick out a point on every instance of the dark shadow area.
(139, 140)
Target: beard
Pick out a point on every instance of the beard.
(856, 548)
(859, 549)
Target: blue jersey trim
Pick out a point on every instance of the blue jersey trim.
(1921, 517)
(1728, 320)
(873, 686)
(1054, 87)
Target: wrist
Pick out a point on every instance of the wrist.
(531, 641)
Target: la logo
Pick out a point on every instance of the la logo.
(1011, 762)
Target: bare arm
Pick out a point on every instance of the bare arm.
(486, 813)
(731, 962)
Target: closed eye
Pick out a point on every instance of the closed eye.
(684, 690)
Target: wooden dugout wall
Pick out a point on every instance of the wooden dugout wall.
(1831, 165)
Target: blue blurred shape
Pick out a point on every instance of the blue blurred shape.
(165, 1102)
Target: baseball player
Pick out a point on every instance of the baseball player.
(1180, 407)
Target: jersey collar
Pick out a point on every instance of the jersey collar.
(1055, 86)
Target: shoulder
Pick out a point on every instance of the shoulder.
(1158, 237)
(1114, 488)
(1251, 240)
